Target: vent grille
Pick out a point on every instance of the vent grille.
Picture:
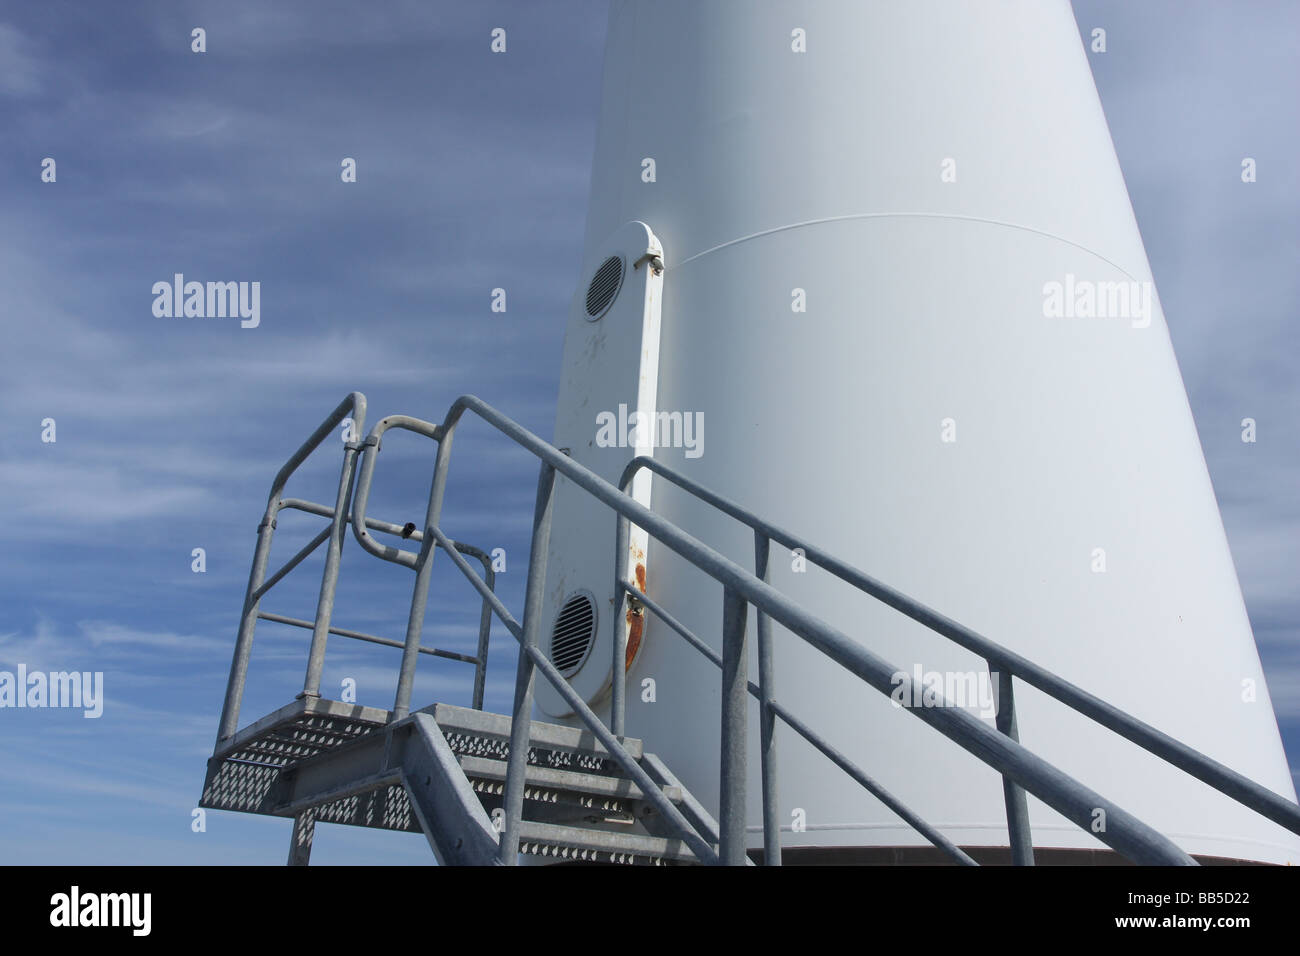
(574, 633)
(604, 287)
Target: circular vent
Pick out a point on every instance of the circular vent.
(604, 287)
(574, 633)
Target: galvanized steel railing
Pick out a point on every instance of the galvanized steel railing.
(1006, 664)
(259, 583)
(531, 658)
(1021, 770)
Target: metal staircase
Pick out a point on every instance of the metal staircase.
(442, 771)
(485, 788)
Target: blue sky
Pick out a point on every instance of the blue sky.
(472, 175)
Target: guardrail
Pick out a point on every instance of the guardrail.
(321, 627)
(530, 657)
(1005, 663)
(1021, 770)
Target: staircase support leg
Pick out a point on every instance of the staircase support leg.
(304, 829)
(735, 701)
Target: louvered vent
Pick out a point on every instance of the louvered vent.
(574, 633)
(604, 287)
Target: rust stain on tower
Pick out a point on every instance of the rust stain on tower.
(635, 619)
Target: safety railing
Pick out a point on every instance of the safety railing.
(259, 583)
(1003, 664)
(530, 657)
(1021, 770)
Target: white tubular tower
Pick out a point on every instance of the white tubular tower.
(879, 257)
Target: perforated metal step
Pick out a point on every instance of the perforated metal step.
(476, 733)
(579, 804)
(583, 844)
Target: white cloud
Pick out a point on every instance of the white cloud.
(20, 67)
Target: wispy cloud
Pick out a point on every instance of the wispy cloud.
(20, 66)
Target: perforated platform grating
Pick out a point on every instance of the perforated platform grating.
(244, 774)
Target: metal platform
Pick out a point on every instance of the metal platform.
(249, 774)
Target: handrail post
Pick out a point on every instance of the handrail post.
(735, 694)
(423, 571)
(1018, 832)
(618, 683)
(330, 576)
(414, 628)
(247, 622)
(521, 716)
(484, 632)
(767, 718)
(356, 404)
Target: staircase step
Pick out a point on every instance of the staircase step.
(599, 846)
(565, 781)
(478, 723)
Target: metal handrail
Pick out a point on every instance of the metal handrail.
(259, 584)
(1022, 771)
(420, 562)
(772, 856)
(612, 742)
(1218, 776)
(520, 725)
(367, 638)
(1125, 833)
(355, 404)
(405, 531)
(311, 507)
